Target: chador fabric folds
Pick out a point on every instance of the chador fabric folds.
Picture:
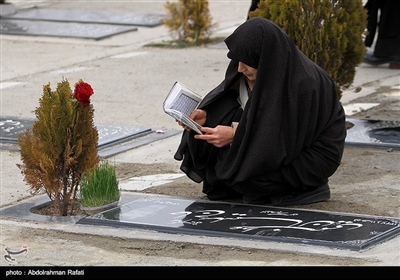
(291, 133)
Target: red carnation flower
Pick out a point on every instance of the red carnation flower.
(82, 93)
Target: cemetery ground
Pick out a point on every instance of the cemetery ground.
(129, 82)
(359, 186)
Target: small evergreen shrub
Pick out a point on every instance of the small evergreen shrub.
(61, 145)
(329, 32)
(189, 21)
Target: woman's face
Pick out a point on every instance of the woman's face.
(249, 72)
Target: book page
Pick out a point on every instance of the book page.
(184, 104)
(184, 119)
(180, 103)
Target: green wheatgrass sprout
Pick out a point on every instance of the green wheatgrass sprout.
(100, 187)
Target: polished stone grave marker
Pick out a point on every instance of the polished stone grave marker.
(61, 29)
(179, 216)
(10, 127)
(87, 16)
(108, 134)
(374, 133)
(112, 138)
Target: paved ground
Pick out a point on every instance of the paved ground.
(130, 82)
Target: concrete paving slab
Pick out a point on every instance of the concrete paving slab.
(145, 182)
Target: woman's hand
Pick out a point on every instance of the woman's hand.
(219, 136)
(198, 115)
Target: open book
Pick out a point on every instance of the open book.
(180, 103)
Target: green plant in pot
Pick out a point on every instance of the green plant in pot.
(99, 189)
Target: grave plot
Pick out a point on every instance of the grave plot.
(83, 16)
(113, 139)
(183, 216)
(94, 25)
(373, 133)
(61, 29)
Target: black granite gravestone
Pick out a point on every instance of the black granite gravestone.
(174, 215)
(87, 16)
(113, 139)
(373, 133)
(61, 29)
(10, 127)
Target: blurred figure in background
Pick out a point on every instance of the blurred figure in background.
(384, 19)
(253, 6)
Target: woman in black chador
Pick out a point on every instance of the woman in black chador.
(274, 129)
